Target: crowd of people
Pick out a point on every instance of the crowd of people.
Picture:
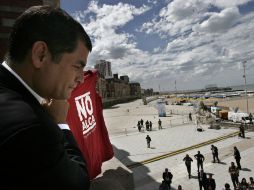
(148, 125)
(206, 180)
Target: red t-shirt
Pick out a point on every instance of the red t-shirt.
(85, 119)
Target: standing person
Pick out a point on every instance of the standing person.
(167, 177)
(227, 187)
(250, 116)
(139, 126)
(148, 141)
(202, 179)
(187, 159)
(142, 122)
(251, 184)
(46, 55)
(234, 174)
(243, 185)
(159, 124)
(215, 153)
(211, 183)
(190, 116)
(150, 125)
(147, 125)
(237, 158)
(242, 130)
(200, 160)
(163, 186)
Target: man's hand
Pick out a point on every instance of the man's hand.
(58, 110)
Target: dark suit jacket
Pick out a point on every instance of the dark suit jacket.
(167, 176)
(211, 183)
(202, 178)
(34, 152)
(237, 154)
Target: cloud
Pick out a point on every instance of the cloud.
(228, 3)
(204, 45)
(220, 22)
(211, 56)
(103, 23)
(177, 17)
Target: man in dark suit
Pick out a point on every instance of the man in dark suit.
(234, 174)
(215, 153)
(200, 159)
(211, 184)
(148, 141)
(187, 159)
(202, 180)
(47, 52)
(237, 156)
(167, 177)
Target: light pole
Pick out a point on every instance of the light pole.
(246, 95)
(175, 87)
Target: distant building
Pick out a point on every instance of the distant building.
(104, 68)
(211, 87)
(117, 88)
(101, 86)
(114, 87)
(9, 11)
(135, 89)
(148, 92)
(125, 78)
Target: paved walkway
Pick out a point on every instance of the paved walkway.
(131, 147)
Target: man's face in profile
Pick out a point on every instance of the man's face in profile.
(61, 78)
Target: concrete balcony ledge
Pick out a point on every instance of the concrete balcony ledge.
(114, 175)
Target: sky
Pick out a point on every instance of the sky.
(171, 44)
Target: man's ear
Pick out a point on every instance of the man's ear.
(39, 53)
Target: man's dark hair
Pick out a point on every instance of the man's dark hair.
(49, 24)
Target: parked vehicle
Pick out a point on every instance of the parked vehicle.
(238, 117)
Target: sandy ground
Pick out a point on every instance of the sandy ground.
(239, 102)
(177, 133)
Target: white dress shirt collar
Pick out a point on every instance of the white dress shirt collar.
(39, 98)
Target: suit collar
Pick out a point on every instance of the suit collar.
(9, 81)
(37, 96)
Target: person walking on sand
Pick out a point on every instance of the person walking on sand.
(147, 125)
(163, 186)
(200, 159)
(150, 125)
(227, 187)
(243, 185)
(187, 159)
(202, 179)
(159, 124)
(141, 122)
(167, 177)
(234, 174)
(215, 153)
(237, 158)
(211, 184)
(190, 116)
(251, 184)
(242, 131)
(139, 126)
(148, 141)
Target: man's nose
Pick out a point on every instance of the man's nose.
(80, 78)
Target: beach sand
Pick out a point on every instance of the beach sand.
(238, 102)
